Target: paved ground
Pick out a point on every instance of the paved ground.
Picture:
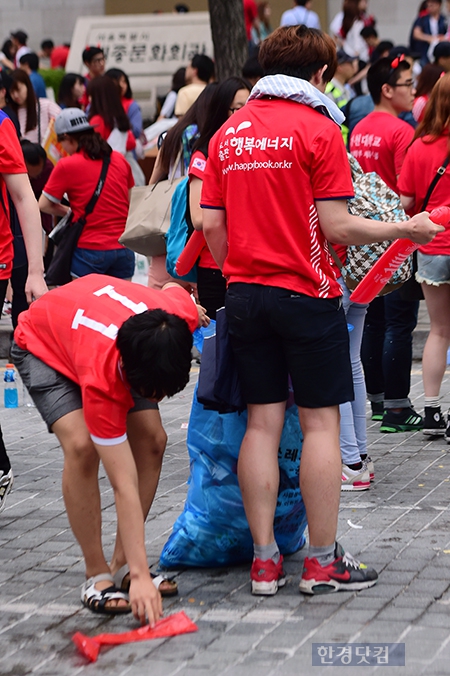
(401, 526)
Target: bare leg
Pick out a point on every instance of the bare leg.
(148, 442)
(81, 492)
(258, 471)
(434, 360)
(320, 472)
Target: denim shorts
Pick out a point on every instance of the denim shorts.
(54, 394)
(276, 333)
(114, 262)
(433, 270)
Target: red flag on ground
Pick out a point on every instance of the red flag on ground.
(176, 624)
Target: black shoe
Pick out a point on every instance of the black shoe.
(408, 420)
(377, 410)
(433, 423)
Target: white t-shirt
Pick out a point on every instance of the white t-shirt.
(298, 16)
(353, 44)
(20, 52)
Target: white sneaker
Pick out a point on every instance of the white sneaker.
(6, 482)
(355, 480)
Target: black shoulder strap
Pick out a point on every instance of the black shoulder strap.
(101, 182)
(440, 172)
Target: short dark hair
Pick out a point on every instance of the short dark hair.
(381, 73)
(298, 51)
(204, 66)
(302, 3)
(47, 44)
(252, 68)
(369, 32)
(20, 36)
(155, 348)
(31, 59)
(33, 153)
(90, 52)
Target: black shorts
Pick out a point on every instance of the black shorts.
(275, 333)
(53, 393)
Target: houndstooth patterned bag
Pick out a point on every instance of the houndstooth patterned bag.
(374, 200)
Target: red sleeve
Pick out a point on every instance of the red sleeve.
(197, 166)
(57, 183)
(11, 156)
(406, 180)
(131, 141)
(130, 179)
(99, 124)
(403, 138)
(330, 176)
(212, 197)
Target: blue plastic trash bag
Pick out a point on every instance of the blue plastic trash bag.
(213, 530)
(203, 332)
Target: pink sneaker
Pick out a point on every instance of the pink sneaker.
(267, 576)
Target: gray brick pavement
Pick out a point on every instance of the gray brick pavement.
(402, 526)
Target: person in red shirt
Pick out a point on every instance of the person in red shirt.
(273, 194)
(96, 356)
(229, 96)
(427, 154)
(107, 114)
(14, 181)
(98, 249)
(95, 62)
(379, 143)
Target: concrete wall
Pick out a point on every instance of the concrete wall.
(42, 19)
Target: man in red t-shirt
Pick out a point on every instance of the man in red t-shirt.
(273, 194)
(379, 142)
(96, 356)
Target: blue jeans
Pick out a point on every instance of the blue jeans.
(114, 262)
(387, 349)
(353, 434)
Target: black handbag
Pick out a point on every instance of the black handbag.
(66, 237)
(219, 388)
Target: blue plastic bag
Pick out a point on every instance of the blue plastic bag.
(213, 529)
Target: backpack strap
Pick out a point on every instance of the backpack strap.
(438, 175)
(101, 182)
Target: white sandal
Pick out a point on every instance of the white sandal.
(96, 599)
(121, 574)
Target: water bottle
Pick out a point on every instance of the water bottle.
(11, 397)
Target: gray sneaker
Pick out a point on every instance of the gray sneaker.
(6, 482)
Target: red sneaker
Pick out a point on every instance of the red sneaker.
(267, 576)
(342, 574)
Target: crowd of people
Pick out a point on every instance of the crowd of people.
(98, 354)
